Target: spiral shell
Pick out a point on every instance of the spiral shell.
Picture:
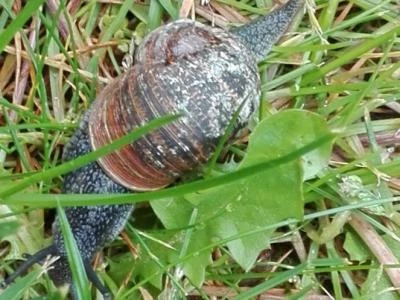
(184, 67)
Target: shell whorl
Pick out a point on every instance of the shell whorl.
(184, 67)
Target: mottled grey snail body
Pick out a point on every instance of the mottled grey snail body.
(230, 54)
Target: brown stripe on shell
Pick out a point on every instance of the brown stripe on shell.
(129, 95)
(183, 67)
(125, 165)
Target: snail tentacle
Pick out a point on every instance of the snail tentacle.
(38, 257)
(94, 279)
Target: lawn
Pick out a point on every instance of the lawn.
(304, 204)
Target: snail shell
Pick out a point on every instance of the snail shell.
(201, 72)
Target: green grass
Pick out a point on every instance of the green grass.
(339, 61)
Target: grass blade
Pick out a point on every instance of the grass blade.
(80, 199)
(281, 278)
(85, 159)
(19, 21)
(81, 282)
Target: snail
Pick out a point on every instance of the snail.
(202, 72)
